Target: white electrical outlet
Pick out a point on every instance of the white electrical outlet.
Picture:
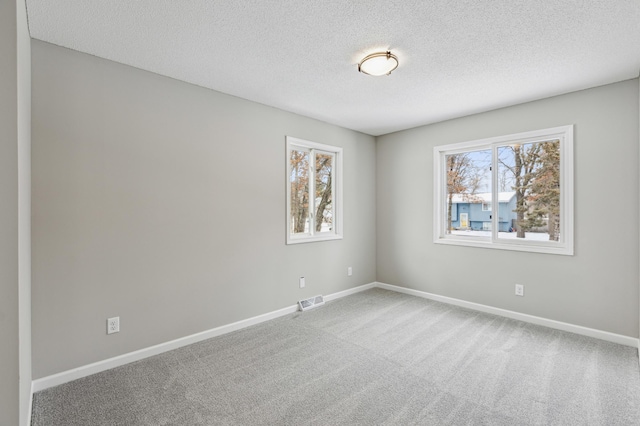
(349, 271)
(113, 325)
(302, 283)
(519, 290)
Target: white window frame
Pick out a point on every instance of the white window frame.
(564, 246)
(293, 143)
(486, 207)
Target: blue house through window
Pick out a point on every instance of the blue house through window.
(473, 211)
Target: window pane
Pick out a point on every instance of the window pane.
(314, 191)
(324, 192)
(468, 187)
(529, 181)
(531, 186)
(299, 179)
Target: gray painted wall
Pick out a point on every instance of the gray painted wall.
(597, 288)
(24, 209)
(9, 364)
(164, 203)
(15, 216)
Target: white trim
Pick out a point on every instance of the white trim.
(337, 183)
(295, 239)
(558, 325)
(563, 247)
(349, 292)
(30, 412)
(97, 367)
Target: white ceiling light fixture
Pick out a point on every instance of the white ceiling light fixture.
(379, 63)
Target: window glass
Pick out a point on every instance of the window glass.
(532, 172)
(468, 186)
(314, 191)
(324, 192)
(512, 192)
(299, 191)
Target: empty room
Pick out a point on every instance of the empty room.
(319, 213)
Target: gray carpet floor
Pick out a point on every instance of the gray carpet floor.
(376, 357)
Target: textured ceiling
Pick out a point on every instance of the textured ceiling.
(457, 57)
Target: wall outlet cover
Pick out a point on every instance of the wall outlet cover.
(113, 325)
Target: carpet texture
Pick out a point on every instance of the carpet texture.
(376, 357)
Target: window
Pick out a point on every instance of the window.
(511, 192)
(314, 191)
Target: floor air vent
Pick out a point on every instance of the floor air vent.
(311, 303)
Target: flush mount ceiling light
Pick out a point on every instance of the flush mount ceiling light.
(379, 63)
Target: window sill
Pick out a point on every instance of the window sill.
(317, 238)
(526, 246)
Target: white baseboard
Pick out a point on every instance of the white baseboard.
(349, 292)
(30, 405)
(558, 325)
(97, 367)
